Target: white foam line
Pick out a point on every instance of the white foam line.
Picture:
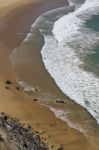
(61, 56)
(59, 113)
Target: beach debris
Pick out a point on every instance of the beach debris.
(8, 82)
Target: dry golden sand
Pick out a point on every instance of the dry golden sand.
(16, 104)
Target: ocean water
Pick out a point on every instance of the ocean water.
(69, 46)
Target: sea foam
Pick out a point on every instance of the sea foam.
(63, 54)
(59, 113)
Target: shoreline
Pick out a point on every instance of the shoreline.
(27, 111)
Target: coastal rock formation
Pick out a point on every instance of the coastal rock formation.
(13, 136)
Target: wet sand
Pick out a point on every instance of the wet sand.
(14, 102)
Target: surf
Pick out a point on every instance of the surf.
(63, 55)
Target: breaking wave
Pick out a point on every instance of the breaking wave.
(66, 46)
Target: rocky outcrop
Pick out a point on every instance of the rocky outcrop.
(13, 136)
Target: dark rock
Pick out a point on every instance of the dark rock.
(7, 87)
(25, 145)
(60, 101)
(8, 82)
(29, 127)
(60, 148)
(18, 88)
(1, 139)
(36, 90)
(35, 99)
(2, 113)
(52, 146)
(5, 117)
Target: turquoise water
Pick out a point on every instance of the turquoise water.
(92, 60)
(93, 23)
(95, 56)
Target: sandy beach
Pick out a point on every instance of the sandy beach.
(17, 16)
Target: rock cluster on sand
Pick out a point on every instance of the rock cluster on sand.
(13, 136)
(59, 101)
